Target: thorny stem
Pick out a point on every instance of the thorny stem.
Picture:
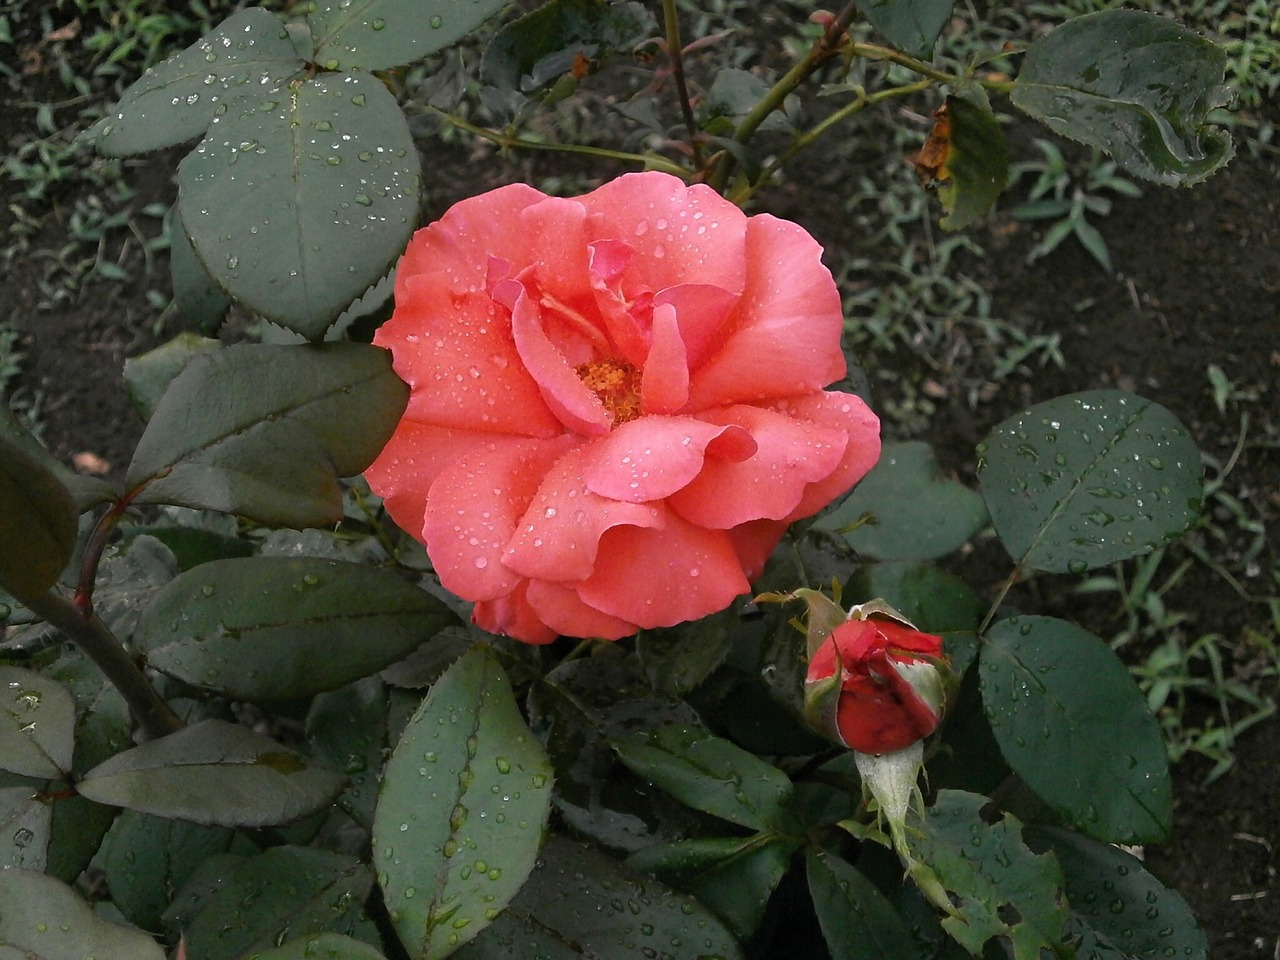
(822, 50)
(859, 103)
(100, 645)
(506, 141)
(675, 56)
(97, 542)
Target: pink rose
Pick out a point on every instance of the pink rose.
(616, 404)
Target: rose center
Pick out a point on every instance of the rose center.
(616, 383)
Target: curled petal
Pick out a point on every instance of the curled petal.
(665, 384)
(653, 457)
(680, 233)
(791, 455)
(473, 509)
(511, 615)
(563, 391)
(559, 534)
(560, 608)
(658, 578)
(783, 338)
(847, 413)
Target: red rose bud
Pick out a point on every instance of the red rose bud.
(874, 684)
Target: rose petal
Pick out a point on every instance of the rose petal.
(473, 509)
(608, 263)
(652, 457)
(901, 641)
(701, 311)
(755, 542)
(563, 391)
(838, 411)
(658, 578)
(783, 338)
(881, 712)
(560, 608)
(511, 616)
(664, 387)
(457, 354)
(558, 536)
(408, 465)
(791, 455)
(680, 233)
(453, 253)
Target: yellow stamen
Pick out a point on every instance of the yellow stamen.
(616, 383)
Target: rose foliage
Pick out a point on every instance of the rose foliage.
(616, 403)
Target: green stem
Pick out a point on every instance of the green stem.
(860, 102)
(675, 56)
(506, 141)
(100, 645)
(874, 51)
(822, 50)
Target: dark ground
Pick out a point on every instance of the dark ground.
(1197, 283)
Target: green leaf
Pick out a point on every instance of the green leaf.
(1120, 909)
(75, 835)
(677, 659)
(148, 376)
(575, 711)
(463, 806)
(710, 774)
(145, 859)
(265, 431)
(238, 905)
(977, 164)
(192, 546)
(1088, 479)
(277, 628)
(857, 920)
(580, 905)
(195, 293)
(1134, 84)
(998, 887)
(86, 491)
(37, 725)
(324, 946)
(910, 25)
(934, 600)
(215, 773)
(1052, 693)
(535, 50)
(917, 513)
(733, 876)
(178, 99)
(37, 523)
(377, 34)
(26, 823)
(298, 201)
(347, 731)
(45, 919)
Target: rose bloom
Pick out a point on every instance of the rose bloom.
(616, 403)
(890, 692)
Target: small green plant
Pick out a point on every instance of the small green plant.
(1067, 194)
